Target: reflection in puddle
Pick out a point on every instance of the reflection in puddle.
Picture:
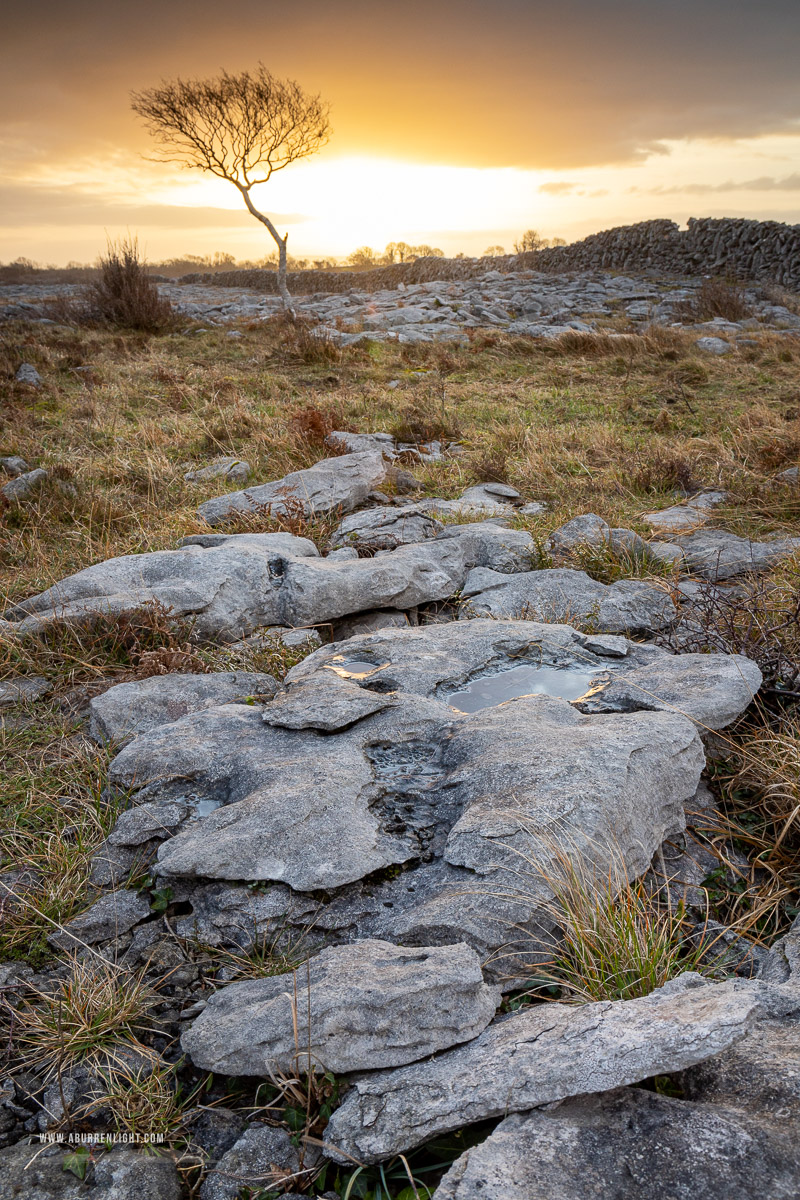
(567, 683)
(355, 668)
(203, 807)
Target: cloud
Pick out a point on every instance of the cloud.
(558, 189)
(765, 183)
(447, 82)
(22, 205)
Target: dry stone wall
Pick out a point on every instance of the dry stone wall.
(752, 250)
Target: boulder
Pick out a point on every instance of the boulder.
(333, 485)
(537, 1056)
(587, 530)
(130, 709)
(21, 487)
(629, 1145)
(717, 554)
(681, 518)
(713, 345)
(563, 595)
(227, 585)
(371, 1005)
(13, 465)
(385, 528)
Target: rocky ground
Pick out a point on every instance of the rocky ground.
(399, 711)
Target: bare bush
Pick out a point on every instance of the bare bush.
(717, 297)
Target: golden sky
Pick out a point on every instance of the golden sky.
(455, 122)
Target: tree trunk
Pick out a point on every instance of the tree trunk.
(283, 290)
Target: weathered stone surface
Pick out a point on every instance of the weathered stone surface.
(538, 1056)
(39, 1173)
(228, 585)
(385, 528)
(13, 465)
(681, 518)
(372, 1005)
(563, 595)
(489, 544)
(114, 914)
(332, 485)
(587, 530)
(717, 688)
(23, 690)
(713, 345)
(718, 554)
(629, 1145)
(227, 468)
(369, 622)
(358, 443)
(473, 502)
(23, 486)
(129, 709)
(761, 1073)
(27, 373)
(411, 777)
(262, 1159)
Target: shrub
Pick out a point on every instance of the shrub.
(121, 295)
(716, 297)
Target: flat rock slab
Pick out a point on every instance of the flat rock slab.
(716, 554)
(683, 518)
(385, 528)
(23, 690)
(333, 485)
(566, 596)
(40, 1173)
(629, 1145)
(459, 750)
(535, 1057)
(225, 585)
(231, 585)
(372, 1005)
(130, 709)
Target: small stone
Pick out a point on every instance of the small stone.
(113, 915)
(22, 690)
(261, 1160)
(25, 485)
(713, 345)
(586, 530)
(229, 468)
(14, 465)
(28, 374)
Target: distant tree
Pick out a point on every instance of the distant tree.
(398, 252)
(558, 241)
(530, 240)
(242, 128)
(493, 252)
(427, 252)
(364, 256)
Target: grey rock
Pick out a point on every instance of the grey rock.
(534, 508)
(790, 475)
(24, 486)
(23, 690)
(473, 502)
(332, 485)
(14, 465)
(27, 374)
(667, 553)
(358, 443)
(242, 917)
(120, 1174)
(680, 518)
(411, 778)
(489, 544)
(372, 1005)
(229, 585)
(629, 1145)
(114, 914)
(227, 468)
(263, 1158)
(626, 541)
(718, 688)
(385, 529)
(761, 1073)
(717, 554)
(563, 595)
(713, 345)
(502, 490)
(369, 622)
(130, 709)
(343, 554)
(538, 1056)
(587, 530)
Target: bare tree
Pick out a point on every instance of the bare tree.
(242, 128)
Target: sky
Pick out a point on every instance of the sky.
(457, 123)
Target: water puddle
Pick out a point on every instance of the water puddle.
(203, 807)
(567, 683)
(354, 668)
